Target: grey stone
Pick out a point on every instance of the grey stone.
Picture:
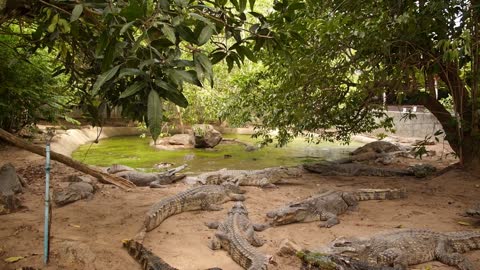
(206, 136)
(181, 139)
(10, 184)
(74, 192)
(9, 180)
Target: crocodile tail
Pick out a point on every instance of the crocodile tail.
(145, 257)
(380, 194)
(464, 241)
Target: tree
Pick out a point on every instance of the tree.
(134, 53)
(338, 58)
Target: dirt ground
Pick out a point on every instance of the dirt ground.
(88, 234)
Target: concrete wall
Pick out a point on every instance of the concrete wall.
(66, 142)
(425, 124)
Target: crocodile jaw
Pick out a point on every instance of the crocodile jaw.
(288, 215)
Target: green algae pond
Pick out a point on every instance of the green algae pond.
(136, 152)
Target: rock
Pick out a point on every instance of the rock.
(73, 253)
(206, 136)
(9, 204)
(288, 248)
(74, 192)
(80, 178)
(10, 184)
(181, 139)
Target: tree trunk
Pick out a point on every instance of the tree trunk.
(102, 177)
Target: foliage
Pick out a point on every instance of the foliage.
(118, 52)
(28, 92)
(337, 59)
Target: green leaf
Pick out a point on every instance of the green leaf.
(136, 9)
(154, 114)
(235, 4)
(172, 94)
(133, 89)
(246, 52)
(252, 3)
(186, 33)
(169, 33)
(205, 35)
(217, 57)
(104, 77)
(242, 6)
(53, 24)
(129, 72)
(164, 4)
(126, 26)
(203, 66)
(76, 12)
(178, 98)
(179, 76)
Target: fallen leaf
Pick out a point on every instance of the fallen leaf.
(399, 226)
(14, 259)
(464, 223)
(74, 225)
(125, 240)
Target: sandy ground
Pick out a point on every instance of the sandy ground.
(88, 234)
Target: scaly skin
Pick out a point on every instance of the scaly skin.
(408, 247)
(145, 257)
(197, 198)
(358, 169)
(328, 205)
(232, 235)
(263, 178)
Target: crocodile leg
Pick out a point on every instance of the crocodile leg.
(393, 256)
(260, 227)
(451, 258)
(212, 207)
(253, 239)
(213, 225)
(350, 200)
(330, 219)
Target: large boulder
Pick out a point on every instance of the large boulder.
(74, 192)
(10, 184)
(181, 139)
(206, 136)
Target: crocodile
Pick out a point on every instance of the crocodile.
(235, 235)
(327, 205)
(154, 180)
(320, 261)
(145, 257)
(267, 177)
(409, 247)
(357, 169)
(206, 197)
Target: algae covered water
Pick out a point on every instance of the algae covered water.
(135, 152)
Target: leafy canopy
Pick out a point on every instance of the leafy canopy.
(135, 53)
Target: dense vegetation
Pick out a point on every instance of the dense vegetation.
(325, 65)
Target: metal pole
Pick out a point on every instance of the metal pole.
(46, 233)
